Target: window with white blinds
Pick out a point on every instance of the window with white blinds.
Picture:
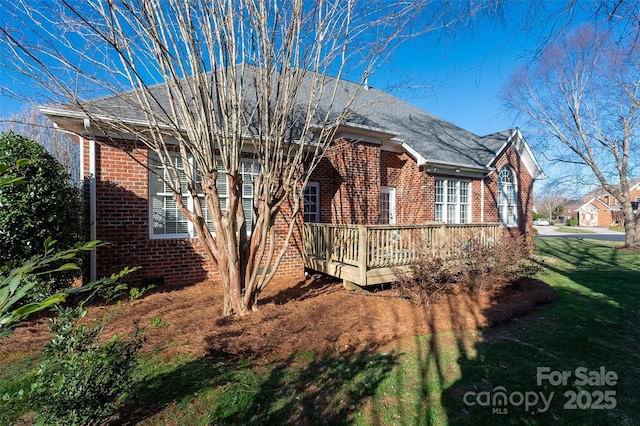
(167, 221)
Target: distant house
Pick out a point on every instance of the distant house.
(391, 163)
(571, 208)
(600, 208)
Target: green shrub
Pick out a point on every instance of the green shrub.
(84, 377)
(573, 222)
(539, 216)
(43, 206)
(82, 381)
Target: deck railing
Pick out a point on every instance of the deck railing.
(387, 246)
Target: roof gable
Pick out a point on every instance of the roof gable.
(514, 137)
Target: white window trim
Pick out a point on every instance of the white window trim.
(503, 209)
(445, 203)
(315, 185)
(392, 202)
(191, 231)
(165, 236)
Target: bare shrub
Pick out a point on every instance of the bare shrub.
(475, 266)
(426, 281)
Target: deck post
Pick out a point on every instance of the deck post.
(440, 238)
(363, 254)
(328, 244)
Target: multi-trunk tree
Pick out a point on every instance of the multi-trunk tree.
(214, 83)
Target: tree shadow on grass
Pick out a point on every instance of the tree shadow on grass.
(303, 389)
(593, 324)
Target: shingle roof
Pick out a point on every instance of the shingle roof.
(436, 140)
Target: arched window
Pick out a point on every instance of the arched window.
(507, 197)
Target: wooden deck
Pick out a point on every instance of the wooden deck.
(371, 254)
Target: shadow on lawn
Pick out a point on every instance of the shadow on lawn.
(593, 324)
(437, 379)
(300, 390)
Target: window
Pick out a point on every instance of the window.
(507, 197)
(166, 219)
(312, 202)
(452, 201)
(249, 169)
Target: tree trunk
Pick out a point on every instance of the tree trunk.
(631, 226)
(232, 286)
(632, 231)
(233, 300)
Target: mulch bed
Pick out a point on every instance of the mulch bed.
(314, 314)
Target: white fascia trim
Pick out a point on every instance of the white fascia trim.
(456, 169)
(398, 145)
(419, 158)
(248, 148)
(588, 206)
(362, 133)
(101, 118)
(357, 137)
(525, 153)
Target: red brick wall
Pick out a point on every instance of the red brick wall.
(350, 177)
(511, 158)
(414, 188)
(122, 219)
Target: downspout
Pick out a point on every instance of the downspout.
(482, 199)
(93, 275)
(92, 190)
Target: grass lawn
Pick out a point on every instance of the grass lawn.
(573, 230)
(475, 377)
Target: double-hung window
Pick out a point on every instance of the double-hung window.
(166, 217)
(452, 200)
(167, 221)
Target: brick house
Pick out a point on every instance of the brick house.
(602, 209)
(391, 163)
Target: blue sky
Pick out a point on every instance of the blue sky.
(457, 78)
(460, 75)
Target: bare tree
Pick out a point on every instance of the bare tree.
(582, 95)
(213, 82)
(30, 122)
